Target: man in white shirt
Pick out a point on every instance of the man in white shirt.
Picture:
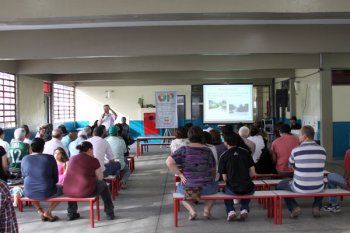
(51, 146)
(107, 119)
(3, 143)
(103, 152)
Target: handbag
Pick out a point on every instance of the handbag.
(192, 194)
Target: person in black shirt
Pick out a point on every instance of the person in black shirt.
(237, 167)
(3, 164)
(294, 124)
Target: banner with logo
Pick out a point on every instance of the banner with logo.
(166, 109)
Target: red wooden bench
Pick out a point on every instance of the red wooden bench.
(131, 162)
(143, 145)
(164, 139)
(287, 194)
(91, 200)
(270, 196)
(114, 181)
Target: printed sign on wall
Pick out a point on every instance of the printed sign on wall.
(166, 109)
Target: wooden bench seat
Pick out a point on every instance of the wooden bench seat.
(145, 145)
(90, 200)
(270, 196)
(131, 162)
(287, 194)
(114, 182)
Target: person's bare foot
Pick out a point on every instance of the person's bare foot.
(192, 216)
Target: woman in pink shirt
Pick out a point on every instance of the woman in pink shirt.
(62, 163)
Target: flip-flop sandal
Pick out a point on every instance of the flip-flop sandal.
(207, 216)
(52, 218)
(192, 217)
(41, 213)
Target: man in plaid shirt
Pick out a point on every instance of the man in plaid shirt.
(8, 220)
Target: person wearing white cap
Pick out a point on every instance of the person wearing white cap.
(82, 136)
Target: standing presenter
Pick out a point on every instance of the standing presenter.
(107, 119)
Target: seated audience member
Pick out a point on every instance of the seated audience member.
(188, 126)
(84, 178)
(88, 130)
(63, 130)
(40, 183)
(41, 131)
(3, 164)
(62, 163)
(199, 168)
(118, 146)
(103, 127)
(8, 219)
(208, 142)
(265, 164)
(17, 150)
(308, 160)
(294, 124)
(27, 134)
(82, 136)
(281, 150)
(71, 136)
(180, 140)
(237, 167)
(103, 152)
(216, 141)
(258, 141)
(227, 129)
(51, 146)
(244, 133)
(44, 132)
(277, 128)
(16, 193)
(3, 143)
(335, 180)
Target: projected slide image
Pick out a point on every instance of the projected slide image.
(228, 103)
(240, 108)
(218, 105)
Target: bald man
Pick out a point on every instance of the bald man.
(51, 146)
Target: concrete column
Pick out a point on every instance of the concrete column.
(326, 112)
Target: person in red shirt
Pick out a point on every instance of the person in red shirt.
(281, 150)
(335, 180)
(84, 178)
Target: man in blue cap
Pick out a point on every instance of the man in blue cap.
(118, 146)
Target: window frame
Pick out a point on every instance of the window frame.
(8, 100)
(63, 109)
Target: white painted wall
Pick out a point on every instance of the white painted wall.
(123, 99)
(308, 97)
(31, 110)
(341, 103)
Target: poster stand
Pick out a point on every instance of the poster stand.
(166, 133)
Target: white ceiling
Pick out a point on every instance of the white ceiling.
(152, 41)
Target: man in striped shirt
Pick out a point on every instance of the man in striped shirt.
(308, 161)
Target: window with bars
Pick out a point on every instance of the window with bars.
(63, 103)
(7, 100)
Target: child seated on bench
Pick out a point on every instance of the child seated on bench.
(237, 167)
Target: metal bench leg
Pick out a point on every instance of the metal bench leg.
(92, 221)
(176, 204)
(98, 217)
